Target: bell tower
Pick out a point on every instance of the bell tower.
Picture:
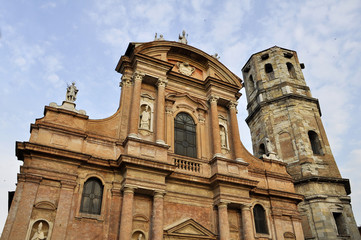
(285, 124)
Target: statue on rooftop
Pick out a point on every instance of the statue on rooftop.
(183, 38)
(71, 92)
(160, 37)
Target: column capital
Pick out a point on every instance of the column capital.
(162, 82)
(232, 105)
(159, 194)
(213, 98)
(125, 81)
(138, 76)
(128, 189)
(246, 206)
(222, 204)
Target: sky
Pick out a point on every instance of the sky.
(45, 45)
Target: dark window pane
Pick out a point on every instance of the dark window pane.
(260, 219)
(185, 135)
(92, 196)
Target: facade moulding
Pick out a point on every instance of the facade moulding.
(320, 179)
(285, 97)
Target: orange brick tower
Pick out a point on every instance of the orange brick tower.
(285, 123)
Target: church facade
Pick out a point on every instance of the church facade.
(169, 164)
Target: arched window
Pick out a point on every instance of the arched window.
(291, 70)
(260, 221)
(185, 135)
(269, 71)
(91, 200)
(315, 142)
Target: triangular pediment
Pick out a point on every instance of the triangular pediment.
(190, 228)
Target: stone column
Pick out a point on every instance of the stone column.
(157, 217)
(237, 145)
(126, 85)
(63, 211)
(169, 114)
(126, 220)
(215, 126)
(247, 222)
(160, 110)
(134, 111)
(223, 221)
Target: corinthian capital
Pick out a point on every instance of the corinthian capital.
(162, 82)
(213, 98)
(232, 104)
(126, 81)
(138, 76)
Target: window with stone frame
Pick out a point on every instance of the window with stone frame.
(315, 142)
(92, 196)
(185, 135)
(269, 71)
(340, 223)
(260, 220)
(291, 70)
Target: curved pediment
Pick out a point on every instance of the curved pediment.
(181, 59)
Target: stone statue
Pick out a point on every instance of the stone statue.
(145, 118)
(160, 37)
(183, 38)
(269, 146)
(216, 56)
(140, 237)
(71, 92)
(223, 137)
(39, 234)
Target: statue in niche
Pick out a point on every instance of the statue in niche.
(71, 92)
(223, 137)
(269, 146)
(183, 38)
(185, 69)
(140, 237)
(39, 234)
(145, 118)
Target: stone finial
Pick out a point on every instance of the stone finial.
(68, 104)
(183, 38)
(160, 37)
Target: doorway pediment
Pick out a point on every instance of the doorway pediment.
(188, 229)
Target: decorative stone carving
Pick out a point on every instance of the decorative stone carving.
(222, 132)
(185, 69)
(216, 56)
(309, 169)
(69, 104)
(146, 114)
(213, 98)
(126, 81)
(40, 230)
(71, 92)
(138, 76)
(183, 38)
(162, 82)
(145, 118)
(160, 37)
(270, 150)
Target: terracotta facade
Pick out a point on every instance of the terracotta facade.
(145, 187)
